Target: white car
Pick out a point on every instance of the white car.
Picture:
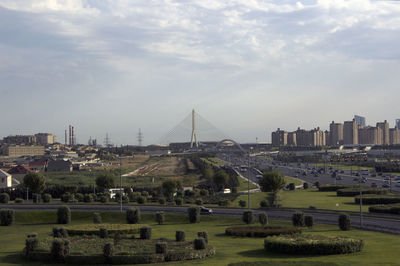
(398, 184)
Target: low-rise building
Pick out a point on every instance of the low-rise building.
(23, 150)
(5, 179)
(59, 166)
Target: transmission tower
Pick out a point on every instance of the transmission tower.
(194, 136)
(107, 141)
(140, 137)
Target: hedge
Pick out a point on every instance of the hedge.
(93, 229)
(4, 198)
(377, 199)
(351, 192)
(312, 245)
(331, 187)
(7, 217)
(393, 209)
(261, 231)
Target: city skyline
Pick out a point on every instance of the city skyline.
(247, 66)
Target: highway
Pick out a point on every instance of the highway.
(380, 224)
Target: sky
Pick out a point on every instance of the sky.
(246, 66)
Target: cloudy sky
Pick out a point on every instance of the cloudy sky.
(246, 66)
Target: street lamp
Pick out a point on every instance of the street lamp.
(248, 181)
(120, 182)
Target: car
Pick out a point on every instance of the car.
(339, 178)
(397, 178)
(204, 210)
(398, 184)
(296, 175)
(316, 175)
(385, 185)
(341, 171)
(373, 185)
(356, 174)
(356, 179)
(386, 178)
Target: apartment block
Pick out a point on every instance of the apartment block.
(350, 132)
(385, 132)
(335, 134)
(279, 138)
(23, 150)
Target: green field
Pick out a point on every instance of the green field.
(214, 161)
(380, 249)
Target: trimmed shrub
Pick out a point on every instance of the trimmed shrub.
(97, 218)
(242, 203)
(309, 221)
(145, 233)
(199, 202)
(103, 233)
(354, 191)
(377, 199)
(224, 202)
(263, 218)
(306, 185)
(327, 188)
(117, 238)
(108, 250)
(194, 214)
(312, 245)
(248, 217)
(180, 236)
(59, 249)
(133, 215)
(18, 201)
(261, 231)
(203, 235)
(317, 184)
(79, 197)
(63, 215)
(104, 199)
(31, 243)
(204, 192)
(67, 197)
(88, 198)
(395, 209)
(298, 219)
(141, 200)
(4, 198)
(60, 232)
(344, 222)
(264, 204)
(292, 186)
(7, 217)
(161, 248)
(161, 201)
(178, 201)
(46, 198)
(160, 217)
(145, 194)
(200, 243)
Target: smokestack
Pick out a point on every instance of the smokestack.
(65, 137)
(73, 136)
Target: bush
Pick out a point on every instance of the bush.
(200, 243)
(145, 233)
(67, 197)
(263, 218)
(194, 214)
(160, 217)
(312, 245)
(4, 198)
(377, 199)
(328, 188)
(178, 201)
(46, 198)
(351, 192)
(305, 185)
(79, 197)
(31, 243)
(60, 232)
(7, 217)
(93, 229)
(117, 238)
(180, 236)
(224, 202)
(264, 204)
(161, 248)
(104, 199)
(317, 184)
(242, 203)
(203, 235)
(161, 201)
(145, 194)
(97, 218)
(344, 222)
(108, 250)
(309, 221)
(59, 249)
(248, 217)
(18, 201)
(63, 215)
(133, 215)
(199, 202)
(292, 186)
(141, 200)
(260, 231)
(88, 198)
(395, 209)
(204, 192)
(103, 233)
(298, 219)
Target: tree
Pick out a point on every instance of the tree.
(221, 179)
(105, 181)
(208, 172)
(272, 181)
(35, 182)
(169, 187)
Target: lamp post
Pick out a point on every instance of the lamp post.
(359, 181)
(120, 182)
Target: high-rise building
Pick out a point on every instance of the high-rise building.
(370, 135)
(336, 134)
(360, 120)
(394, 136)
(398, 123)
(45, 139)
(350, 132)
(279, 138)
(291, 139)
(385, 132)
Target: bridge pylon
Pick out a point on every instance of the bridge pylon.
(193, 139)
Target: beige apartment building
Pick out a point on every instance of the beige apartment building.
(45, 139)
(279, 138)
(350, 132)
(394, 136)
(291, 139)
(22, 150)
(370, 135)
(335, 134)
(384, 126)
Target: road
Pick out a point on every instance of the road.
(380, 224)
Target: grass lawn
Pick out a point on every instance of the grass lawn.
(297, 182)
(214, 161)
(380, 249)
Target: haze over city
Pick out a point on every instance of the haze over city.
(248, 67)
